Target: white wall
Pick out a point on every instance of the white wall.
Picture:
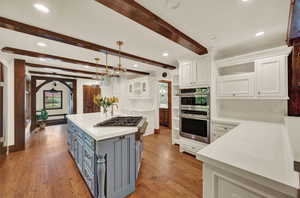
(8, 100)
(59, 87)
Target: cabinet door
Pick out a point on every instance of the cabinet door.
(184, 74)
(145, 88)
(203, 71)
(236, 86)
(270, 77)
(79, 158)
(130, 88)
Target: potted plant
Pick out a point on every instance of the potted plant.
(105, 103)
(41, 117)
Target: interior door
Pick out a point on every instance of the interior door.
(88, 95)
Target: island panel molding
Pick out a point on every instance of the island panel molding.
(33, 65)
(43, 33)
(64, 59)
(145, 17)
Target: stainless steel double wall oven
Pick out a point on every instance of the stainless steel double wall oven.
(195, 114)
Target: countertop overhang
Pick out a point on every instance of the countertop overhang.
(87, 121)
(258, 148)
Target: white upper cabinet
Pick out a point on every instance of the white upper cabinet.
(139, 88)
(195, 73)
(271, 77)
(259, 75)
(236, 86)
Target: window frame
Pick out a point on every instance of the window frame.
(57, 91)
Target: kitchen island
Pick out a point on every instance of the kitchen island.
(108, 158)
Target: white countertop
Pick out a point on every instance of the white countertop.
(87, 122)
(260, 148)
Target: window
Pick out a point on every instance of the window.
(163, 90)
(53, 99)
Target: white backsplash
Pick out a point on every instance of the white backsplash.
(256, 110)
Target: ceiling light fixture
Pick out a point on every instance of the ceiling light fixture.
(42, 59)
(245, 0)
(165, 54)
(120, 69)
(86, 66)
(41, 8)
(41, 44)
(259, 34)
(135, 65)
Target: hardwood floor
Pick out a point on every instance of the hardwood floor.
(46, 170)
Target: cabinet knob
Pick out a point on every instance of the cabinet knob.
(234, 94)
(258, 93)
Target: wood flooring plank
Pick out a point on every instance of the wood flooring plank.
(46, 170)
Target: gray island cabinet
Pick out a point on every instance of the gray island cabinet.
(108, 165)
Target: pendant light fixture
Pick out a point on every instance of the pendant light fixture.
(97, 77)
(119, 70)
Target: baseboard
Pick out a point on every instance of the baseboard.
(11, 148)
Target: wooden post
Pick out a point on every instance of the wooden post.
(19, 80)
(33, 103)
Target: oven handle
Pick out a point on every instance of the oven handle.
(194, 117)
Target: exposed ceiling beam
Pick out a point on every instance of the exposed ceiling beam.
(145, 17)
(43, 33)
(57, 74)
(64, 59)
(33, 65)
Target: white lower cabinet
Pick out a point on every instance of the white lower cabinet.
(219, 183)
(190, 146)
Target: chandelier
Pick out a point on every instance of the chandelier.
(120, 69)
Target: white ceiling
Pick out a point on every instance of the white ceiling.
(233, 23)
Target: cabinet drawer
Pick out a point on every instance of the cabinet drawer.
(89, 158)
(89, 178)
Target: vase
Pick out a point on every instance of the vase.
(105, 111)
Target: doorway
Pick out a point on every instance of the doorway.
(56, 96)
(165, 103)
(89, 92)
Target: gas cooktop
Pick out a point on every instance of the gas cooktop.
(128, 121)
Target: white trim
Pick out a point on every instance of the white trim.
(252, 57)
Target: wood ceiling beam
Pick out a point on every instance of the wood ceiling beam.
(145, 17)
(64, 59)
(58, 74)
(33, 65)
(43, 33)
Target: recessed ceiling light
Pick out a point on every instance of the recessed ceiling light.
(41, 7)
(245, 0)
(41, 44)
(165, 54)
(42, 59)
(135, 65)
(86, 66)
(259, 33)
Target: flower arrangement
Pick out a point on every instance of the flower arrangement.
(106, 102)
